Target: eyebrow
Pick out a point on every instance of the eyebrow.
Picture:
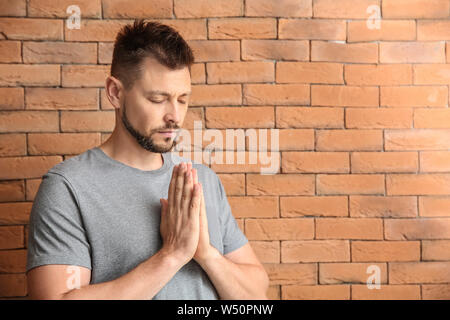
(163, 93)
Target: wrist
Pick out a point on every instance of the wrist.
(172, 258)
(208, 257)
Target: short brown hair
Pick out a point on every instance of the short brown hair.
(147, 39)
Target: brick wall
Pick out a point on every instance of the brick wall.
(362, 113)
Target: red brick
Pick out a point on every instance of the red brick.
(286, 140)
(275, 50)
(339, 273)
(328, 206)
(61, 99)
(315, 162)
(242, 28)
(310, 117)
(280, 184)
(280, 94)
(435, 291)
(434, 161)
(349, 140)
(432, 118)
(87, 121)
(198, 73)
(29, 75)
(12, 191)
(314, 292)
(26, 167)
(12, 98)
(344, 52)
(414, 96)
(13, 8)
(379, 162)
(12, 145)
(419, 9)
(118, 9)
(273, 293)
(277, 8)
(436, 250)
(417, 229)
(418, 272)
(254, 207)
(215, 50)
(417, 139)
(381, 251)
(386, 292)
(296, 139)
(13, 285)
(234, 184)
(433, 30)
(279, 229)
(432, 74)
(412, 52)
(344, 9)
(84, 75)
(59, 52)
(11, 237)
(61, 143)
(315, 251)
(13, 261)
(247, 117)
(10, 51)
(95, 30)
(29, 121)
(379, 118)
(382, 206)
(192, 115)
(307, 72)
(266, 251)
(31, 29)
(344, 96)
(238, 72)
(390, 30)
(189, 29)
(350, 184)
(213, 95)
(434, 206)
(15, 212)
(349, 228)
(208, 8)
(58, 8)
(291, 273)
(383, 75)
(315, 29)
(418, 184)
(32, 186)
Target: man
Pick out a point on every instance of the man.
(129, 219)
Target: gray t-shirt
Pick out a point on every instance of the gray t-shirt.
(96, 212)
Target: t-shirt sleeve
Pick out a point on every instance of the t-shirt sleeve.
(56, 232)
(233, 237)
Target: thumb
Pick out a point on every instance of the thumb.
(163, 203)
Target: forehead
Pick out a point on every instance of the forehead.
(157, 77)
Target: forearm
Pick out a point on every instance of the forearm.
(235, 281)
(143, 282)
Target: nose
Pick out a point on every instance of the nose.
(173, 113)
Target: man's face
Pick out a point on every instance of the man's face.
(157, 102)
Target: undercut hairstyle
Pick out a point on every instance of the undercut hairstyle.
(142, 39)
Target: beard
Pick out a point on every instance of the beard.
(147, 142)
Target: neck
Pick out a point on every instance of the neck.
(124, 148)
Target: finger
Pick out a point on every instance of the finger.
(194, 176)
(194, 206)
(179, 185)
(172, 185)
(187, 190)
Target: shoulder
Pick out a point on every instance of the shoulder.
(74, 166)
